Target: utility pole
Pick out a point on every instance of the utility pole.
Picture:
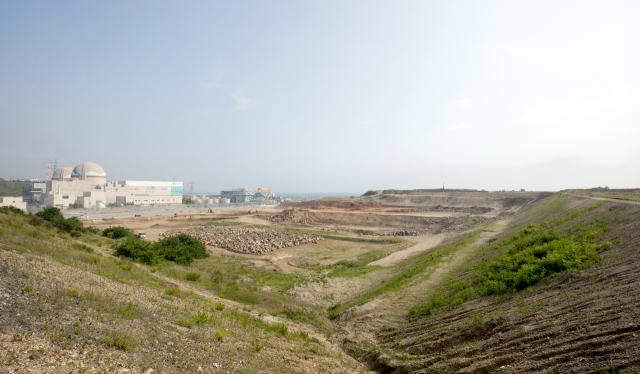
(55, 165)
(191, 186)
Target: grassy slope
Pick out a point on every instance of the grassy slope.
(79, 299)
(12, 188)
(435, 337)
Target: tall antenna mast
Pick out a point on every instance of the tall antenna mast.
(55, 165)
(49, 173)
(191, 186)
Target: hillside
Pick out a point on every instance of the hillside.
(582, 319)
(12, 188)
(522, 283)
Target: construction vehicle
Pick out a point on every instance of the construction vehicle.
(210, 210)
(140, 234)
(267, 189)
(252, 211)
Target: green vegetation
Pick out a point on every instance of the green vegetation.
(117, 232)
(411, 268)
(120, 340)
(70, 225)
(12, 209)
(181, 249)
(370, 193)
(524, 259)
(395, 192)
(12, 188)
(224, 223)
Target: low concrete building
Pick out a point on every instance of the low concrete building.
(15, 201)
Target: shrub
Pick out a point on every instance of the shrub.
(120, 340)
(172, 291)
(12, 209)
(116, 232)
(71, 225)
(219, 307)
(50, 214)
(181, 249)
(370, 193)
(137, 249)
(192, 276)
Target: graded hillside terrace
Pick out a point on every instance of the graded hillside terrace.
(421, 281)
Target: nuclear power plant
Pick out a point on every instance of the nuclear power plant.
(86, 186)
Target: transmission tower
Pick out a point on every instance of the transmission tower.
(49, 172)
(191, 186)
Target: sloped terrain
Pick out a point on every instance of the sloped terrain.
(68, 306)
(573, 322)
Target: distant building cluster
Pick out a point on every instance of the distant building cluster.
(245, 195)
(86, 186)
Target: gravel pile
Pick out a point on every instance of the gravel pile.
(403, 233)
(292, 215)
(244, 240)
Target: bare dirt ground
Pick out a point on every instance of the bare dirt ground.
(424, 243)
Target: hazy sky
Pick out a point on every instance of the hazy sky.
(325, 96)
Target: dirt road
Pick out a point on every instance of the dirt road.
(425, 243)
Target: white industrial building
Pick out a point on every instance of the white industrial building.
(86, 185)
(14, 201)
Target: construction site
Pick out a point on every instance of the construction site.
(392, 283)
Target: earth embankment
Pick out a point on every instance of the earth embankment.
(582, 320)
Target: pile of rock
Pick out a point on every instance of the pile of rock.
(405, 233)
(244, 240)
(294, 215)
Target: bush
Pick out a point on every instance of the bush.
(71, 225)
(50, 214)
(137, 249)
(120, 340)
(116, 232)
(181, 249)
(370, 193)
(192, 276)
(12, 209)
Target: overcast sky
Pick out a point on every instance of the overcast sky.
(325, 96)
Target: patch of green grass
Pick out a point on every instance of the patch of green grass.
(530, 255)
(172, 291)
(120, 340)
(192, 276)
(224, 223)
(410, 269)
(185, 321)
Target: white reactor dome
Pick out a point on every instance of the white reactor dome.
(88, 170)
(62, 174)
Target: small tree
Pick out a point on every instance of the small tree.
(116, 232)
(51, 214)
(137, 249)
